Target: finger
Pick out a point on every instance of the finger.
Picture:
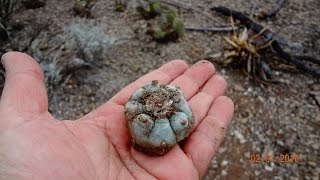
(24, 88)
(202, 101)
(206, 139)
(175, 164)
(194, 78)
(165, 74)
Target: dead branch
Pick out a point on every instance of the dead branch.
(303, 64)
(214, 29)
(189, 8)
(4, 36)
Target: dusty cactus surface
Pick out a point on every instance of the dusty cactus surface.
(158, 117)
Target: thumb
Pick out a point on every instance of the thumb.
(24, 89)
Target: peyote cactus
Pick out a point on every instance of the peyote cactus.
(158, 117)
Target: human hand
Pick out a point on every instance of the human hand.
(34, 145)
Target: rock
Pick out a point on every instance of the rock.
(222, 150)
(257, 173)
(224, 163)
(247, 154)
(261, 99)
(224, 173)
(312, 163)
(272, 100)
(238, 87)
(239, 136)
(135, 68)
(281, 143)
(268, 168)
(315, 145)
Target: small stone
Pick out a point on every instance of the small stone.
(247, 154)
(222, 150)
(268, 168)
(238, 87)
(261, 138)
(272, 99)
(224, 173)
(261, 99)
(224, 163)
(135, 68)
(240, 137)
(280, 143)
(163, 144)
(256, 172)
(315, 146)
(312, 163)
(244, 120)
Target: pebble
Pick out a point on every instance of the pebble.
(272, 99)
(280, 143)
(315, 145)
(224, 173)
(222, 150)
(238, 87)
(257, 173)
(312, 163)
(261, 138)
(247, 154)
(268, 168)
(261, 99)
(240, 137)
(224, 163)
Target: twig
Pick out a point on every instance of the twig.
(3, 33)
(53, 49)
(267, 34)
(214, 29)
(36, 34)
(183, 6)
(245, 20)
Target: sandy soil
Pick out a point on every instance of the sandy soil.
(277, 119)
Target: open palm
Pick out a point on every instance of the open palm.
(34, 145)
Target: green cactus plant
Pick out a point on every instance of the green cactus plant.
(153, 11)
(168, 27)
(155, 8)
(158, 34)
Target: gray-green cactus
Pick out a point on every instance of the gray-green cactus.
(158, 117)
